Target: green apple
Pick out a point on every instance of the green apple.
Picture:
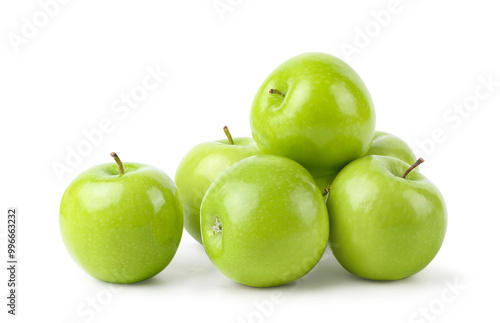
(324, 179)
(264, 221)
(387, 221)
(200, 167)
(385, 144)
(121, 223)
(316, 110)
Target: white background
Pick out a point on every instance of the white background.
(428, 57)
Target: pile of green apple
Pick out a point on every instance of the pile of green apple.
(258, 205)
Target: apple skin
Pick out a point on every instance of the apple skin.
(326, 118)
(386, 144)
(383, 144)
(121, 229)
(384, 227)
(274, 221)
(324, 179)
(200, 167)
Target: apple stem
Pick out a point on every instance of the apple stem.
(418, 162)
(228, 135)
(274, 91)
(218, 226)
(119, 162)
(326, 190)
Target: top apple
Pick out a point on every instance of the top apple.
(315, 109)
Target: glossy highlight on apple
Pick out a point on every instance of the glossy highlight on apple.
(264, 208)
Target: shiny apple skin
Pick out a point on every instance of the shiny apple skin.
(384, 227)
(273, 218)
(325, 120)
(200, 167)
(122, 229)
(386, 144)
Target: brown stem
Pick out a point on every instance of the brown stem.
(274, 91)
(326, 190)
(418, 162)
(119, 162)
(228, 135)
